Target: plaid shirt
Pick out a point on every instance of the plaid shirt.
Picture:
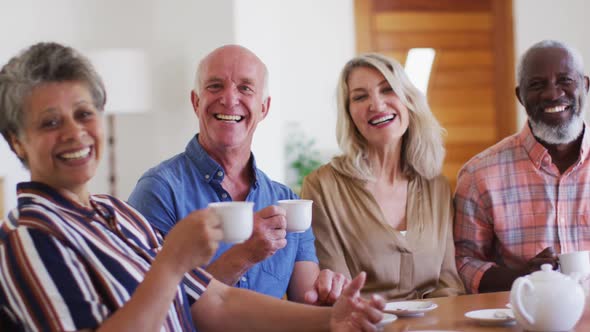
(511, 202)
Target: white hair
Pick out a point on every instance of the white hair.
(544, 44)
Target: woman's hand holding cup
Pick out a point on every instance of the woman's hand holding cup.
(193, 240)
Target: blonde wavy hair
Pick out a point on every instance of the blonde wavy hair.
(422, 147)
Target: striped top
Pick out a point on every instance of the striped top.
(511, 202)
(69, 267)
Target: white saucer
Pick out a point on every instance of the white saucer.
(499, 316)
(387, 318)
(409, 308)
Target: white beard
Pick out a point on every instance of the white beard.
(564, 134)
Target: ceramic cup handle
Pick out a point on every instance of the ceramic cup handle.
(520, 285)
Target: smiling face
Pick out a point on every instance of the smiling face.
(552, 90)
(230, 102)
(375, 109)
(61, 139)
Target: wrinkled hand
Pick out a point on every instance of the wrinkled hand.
(327, 288)
(353, 313)
(193, 240)
(547, 256)
(268, 234)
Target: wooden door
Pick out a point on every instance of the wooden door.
(471, 88)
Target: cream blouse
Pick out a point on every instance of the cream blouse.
(353, 236)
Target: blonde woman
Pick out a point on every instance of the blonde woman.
(382, 206)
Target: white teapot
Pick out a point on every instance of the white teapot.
(547, 300)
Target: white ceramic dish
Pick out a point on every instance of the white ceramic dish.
(387, 318)
(499, 316)
(409, 308)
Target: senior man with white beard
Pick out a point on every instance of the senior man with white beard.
(526, 199)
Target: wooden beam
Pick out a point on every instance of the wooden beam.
(503, 37)
(364, 30)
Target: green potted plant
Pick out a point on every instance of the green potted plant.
(302, 156)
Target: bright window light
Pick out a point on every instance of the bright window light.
(418, 66)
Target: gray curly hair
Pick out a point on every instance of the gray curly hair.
(42, 63)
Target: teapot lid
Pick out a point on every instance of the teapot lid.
(546, 274)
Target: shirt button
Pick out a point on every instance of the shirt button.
(207, 176)
(224, 195)
(220, 173)
(244, 279)
(562, 220)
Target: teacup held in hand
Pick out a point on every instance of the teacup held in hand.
(236, 220)
(298, 214)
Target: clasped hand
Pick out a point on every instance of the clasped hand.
(547, 256)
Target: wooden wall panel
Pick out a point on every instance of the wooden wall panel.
(472, 134)
(451, 167)
(459, 115)
(463, 58)
(433, 5)
(466, 97)
(504, 69)
(475, 77)
(363, 17)
(400, 56)
(387, 41)
(432, 22)
(464, 151)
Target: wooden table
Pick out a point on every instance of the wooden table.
(451, 310)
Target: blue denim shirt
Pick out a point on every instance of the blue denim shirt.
(191, 180)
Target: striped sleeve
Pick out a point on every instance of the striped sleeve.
(195, 284)
(46, 284)
(8, 224)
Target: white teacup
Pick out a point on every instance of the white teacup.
(237, 219)
(298, 214)
(575, 262)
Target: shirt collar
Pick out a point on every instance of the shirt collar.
(27, 192)
(539, 154)
(208, 168)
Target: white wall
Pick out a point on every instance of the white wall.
(21, 24)
(304, 43)
(318, 39)
(536, 20)
(253, 21)
(175, 34)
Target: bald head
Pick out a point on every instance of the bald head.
(230, 54)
